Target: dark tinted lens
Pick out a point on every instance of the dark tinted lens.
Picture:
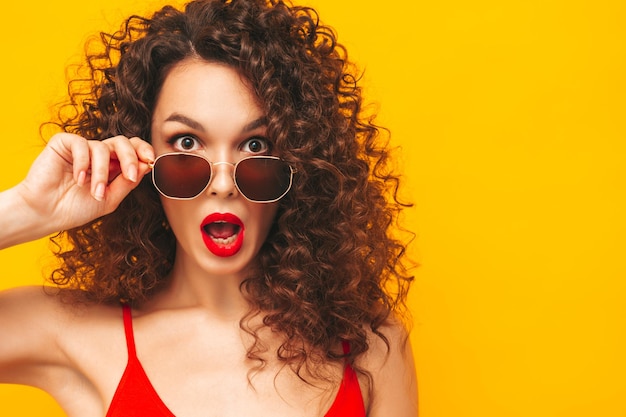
(180, 175)
(263, 179)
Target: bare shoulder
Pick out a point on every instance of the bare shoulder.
(43, 331)
(48, 309)
(29, 325)
(392, 368)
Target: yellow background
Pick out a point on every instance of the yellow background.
(511, 119)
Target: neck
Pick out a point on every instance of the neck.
(193, 287)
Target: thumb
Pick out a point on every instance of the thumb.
(117, 190)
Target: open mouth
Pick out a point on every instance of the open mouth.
(222, 234)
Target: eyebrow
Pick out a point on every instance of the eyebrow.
(180, 118)
(261, 121)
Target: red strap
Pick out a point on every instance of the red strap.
(128, 330)
(349, 400)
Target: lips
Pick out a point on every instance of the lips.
(222, 234)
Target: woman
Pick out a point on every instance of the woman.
(227, 211)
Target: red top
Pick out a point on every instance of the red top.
(136, 397)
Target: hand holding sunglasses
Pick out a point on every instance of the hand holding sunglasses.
(184, 176)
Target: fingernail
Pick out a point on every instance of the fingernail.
(80, 181)
(132, 173)
(149, 156)
(99, 193)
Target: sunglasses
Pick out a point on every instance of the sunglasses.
(183, 176)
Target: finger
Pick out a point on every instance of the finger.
(117, 190)
(146, 155)
(144, 150)
(144, 168)
(100, 158)
(122, 149)
(75, 150)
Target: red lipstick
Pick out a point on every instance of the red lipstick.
(222, 234)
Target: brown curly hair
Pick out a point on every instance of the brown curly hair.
(332, 268)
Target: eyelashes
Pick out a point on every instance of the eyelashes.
(257, 144)
(185, 143)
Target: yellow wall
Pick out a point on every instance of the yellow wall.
(511, 116)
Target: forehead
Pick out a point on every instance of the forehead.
(201, 89)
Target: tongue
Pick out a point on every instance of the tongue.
(222, 230)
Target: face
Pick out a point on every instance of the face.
(207, 109)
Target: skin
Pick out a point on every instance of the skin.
(188, 337)
(226, 127)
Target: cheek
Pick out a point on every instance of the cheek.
(267, 216)
(165, 203)
(175, 214)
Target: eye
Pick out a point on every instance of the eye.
(185, 143)
(256, 145)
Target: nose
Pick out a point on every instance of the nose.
(222, 182)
